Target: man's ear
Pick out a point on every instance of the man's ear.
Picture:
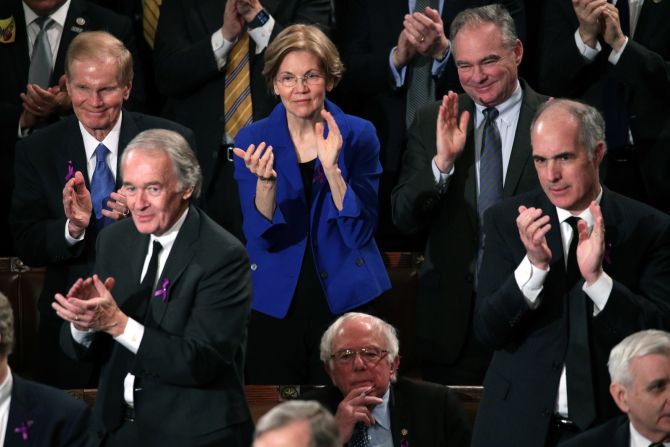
(619, 394)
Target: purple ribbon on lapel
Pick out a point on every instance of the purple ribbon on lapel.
(162, 291)
(23, 429)
(608, 253)
(70, 170)
(319, 176)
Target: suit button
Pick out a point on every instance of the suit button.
(360, 262)
(324, 275)
(254, 267)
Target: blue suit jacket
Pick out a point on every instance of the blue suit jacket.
(346, 256)
(51, 416)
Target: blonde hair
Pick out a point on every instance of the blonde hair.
(100, 45)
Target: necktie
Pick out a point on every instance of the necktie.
(41, 61)
(360, 436)
(624, 16)
(149, 280)
(102, 184)
(578, 358)
(150, 14)
(490, 164)
(656, 444)
(237, 97)
(421, 87)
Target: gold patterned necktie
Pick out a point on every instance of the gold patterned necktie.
(237, 97)
(151, 12)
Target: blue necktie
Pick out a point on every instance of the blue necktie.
(102, 184)
(360, 436)
(490, 164)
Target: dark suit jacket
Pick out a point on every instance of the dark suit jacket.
(191, 357)
(367, 33)
(54, 418)
(428, 414)
(187, 74)
(446, 278)
(614, 433)
(642, 75)
(15, 62)
(37, 217)
(522, 381)
(342, 242)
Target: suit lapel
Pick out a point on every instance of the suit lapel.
(520, 156)
(652, 16)
(180, 256)
(138, 245)
(399, 416)
(20, 47)
(128, 131)
(20, 415)
(468, 160)
(210, 13)
(75, 151)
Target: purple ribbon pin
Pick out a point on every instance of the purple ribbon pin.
(162, 291)
(608, 253)
(319, 176)
(23, 429)
(70, 171)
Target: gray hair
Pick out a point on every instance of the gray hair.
(380, 328)
(184, 161)
(100, 45)
(6, 326)
(322, 426)
(591, 123)
(639, 344)
(496, 14)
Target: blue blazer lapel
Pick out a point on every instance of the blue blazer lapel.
(286, 160)
(180, 256)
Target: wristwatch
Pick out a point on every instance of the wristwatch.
(261, 19)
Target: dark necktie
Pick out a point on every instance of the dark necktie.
(102, 184)
(624, 16)
(41, 61)
(581, 408)
(136, 308)
(421, 86)
(360, 436)
(490, 164)
(656, 444)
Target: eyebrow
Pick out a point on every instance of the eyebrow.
(560, 155)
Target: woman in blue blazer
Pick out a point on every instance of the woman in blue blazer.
(308, 187)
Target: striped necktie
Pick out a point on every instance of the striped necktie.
(41, 61)
(237, 97)
(421, 87)
(150, 14)
(490, 164)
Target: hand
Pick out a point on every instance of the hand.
(233, 23)
(77, 204)
(589, 14)
(74, 308)
(612, 33)
(248, 9)
(426, 33)
(404, 52)
(591, 248)
(328, 149)
(533, 228)
(354, 408)
(259, 161)
(118, 206)
(451, 132)
(44, 103)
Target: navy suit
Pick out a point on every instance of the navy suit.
(614, 433)
(522, 381)
(52, 417)
(38, 221)
(189, 363)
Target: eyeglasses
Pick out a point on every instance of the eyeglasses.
(486, 63)
(370, 355)
(289, 80)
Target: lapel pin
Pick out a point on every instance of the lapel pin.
(7, 30)
(80, 21)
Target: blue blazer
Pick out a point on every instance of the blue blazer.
(345, 253)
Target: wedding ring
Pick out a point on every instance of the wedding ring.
(126, 212)
(422, 38)
(76, 318)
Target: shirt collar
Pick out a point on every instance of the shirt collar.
(58, 16)
(111, 141)
(637, 440)
(586, 215)
(381, 412)
(506, 109)
(6, 387)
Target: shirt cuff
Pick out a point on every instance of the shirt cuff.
(441, 179)
(131, 336)
(438, 65)
(261, 35)
(599, 292)
(585, 50)
(84, 338)
(615, 55)
(72, 240)
(221, 47)
(398, 76)
(530, 280)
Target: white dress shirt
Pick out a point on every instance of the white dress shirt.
(5, 402)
